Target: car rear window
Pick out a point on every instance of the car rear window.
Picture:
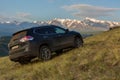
(19, 35)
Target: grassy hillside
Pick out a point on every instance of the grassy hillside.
(99, 59)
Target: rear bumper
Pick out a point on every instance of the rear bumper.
(29, 50)
(18, 56)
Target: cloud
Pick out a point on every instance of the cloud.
(19, 16)
(4, 18)
(85, 10)
(23, 15)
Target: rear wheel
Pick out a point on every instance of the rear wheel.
(78, 42)
(45, 53)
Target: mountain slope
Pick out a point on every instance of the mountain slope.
(98, 59)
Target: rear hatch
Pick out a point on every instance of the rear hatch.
(15, 40)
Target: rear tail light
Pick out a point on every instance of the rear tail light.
(26, 38)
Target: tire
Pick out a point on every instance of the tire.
(78, 42)
(45, 53)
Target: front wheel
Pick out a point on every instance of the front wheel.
(78, 42)
(45, 53)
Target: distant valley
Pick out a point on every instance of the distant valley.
(3, 45)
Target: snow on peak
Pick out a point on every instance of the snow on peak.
(61, 20)
(35, 21)
(94, 20)
(8, 22)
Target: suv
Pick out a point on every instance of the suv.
(41, 42)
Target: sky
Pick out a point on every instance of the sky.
(44, 10)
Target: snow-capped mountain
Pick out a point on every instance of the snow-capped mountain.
(88, 24)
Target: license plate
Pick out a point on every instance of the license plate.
(15, 47)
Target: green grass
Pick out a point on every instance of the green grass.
(98, 59)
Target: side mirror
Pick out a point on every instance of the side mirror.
(67, 30)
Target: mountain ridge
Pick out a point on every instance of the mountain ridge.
(86, 25)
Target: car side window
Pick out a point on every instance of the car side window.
(46, 30)
(59, 30)
(51, 30)
(42, 31)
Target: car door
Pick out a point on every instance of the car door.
(55, 40)
(64, 37)
(47, 35)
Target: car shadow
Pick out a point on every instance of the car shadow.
(36, 60)
(63, 52)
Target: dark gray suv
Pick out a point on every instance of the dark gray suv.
(41, 42)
